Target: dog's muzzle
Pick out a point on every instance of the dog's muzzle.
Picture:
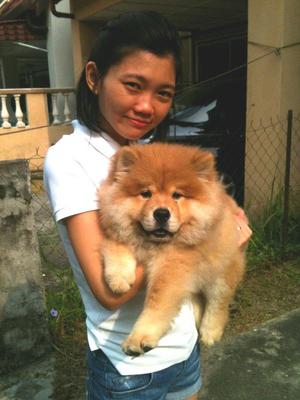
(161, 217)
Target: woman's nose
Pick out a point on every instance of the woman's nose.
(144, 104)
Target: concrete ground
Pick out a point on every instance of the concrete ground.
(263, 364)
(34, 382)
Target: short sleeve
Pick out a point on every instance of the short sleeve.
(70, 190)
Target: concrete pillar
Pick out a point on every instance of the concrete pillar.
(59, 45)
(60, 53)
(272, 89)
(24, 334)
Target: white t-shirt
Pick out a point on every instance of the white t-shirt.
(74, 168)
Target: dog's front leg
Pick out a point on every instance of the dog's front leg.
(119, 266)
(165, 295)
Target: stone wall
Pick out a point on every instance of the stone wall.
(24, 334)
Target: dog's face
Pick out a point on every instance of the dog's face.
(163, 192)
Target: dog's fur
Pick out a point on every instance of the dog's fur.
(163, 206)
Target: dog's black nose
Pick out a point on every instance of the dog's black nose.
(161, 215)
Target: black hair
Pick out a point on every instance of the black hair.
(121, 36)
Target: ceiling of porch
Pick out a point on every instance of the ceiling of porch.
(200, 15)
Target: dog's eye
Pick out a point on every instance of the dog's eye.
(176, 195)
(146, 194)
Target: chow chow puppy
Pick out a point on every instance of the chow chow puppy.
(163, 206)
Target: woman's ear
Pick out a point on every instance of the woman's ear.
(92, 76)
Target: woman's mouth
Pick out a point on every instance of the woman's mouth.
(139, 123)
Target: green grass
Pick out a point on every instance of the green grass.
(68, 330)
(292, 270)
(266, 248)
(64, 299)
(266, 244)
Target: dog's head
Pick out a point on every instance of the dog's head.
(162, 192)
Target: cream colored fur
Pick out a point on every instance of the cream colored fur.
(198, 258)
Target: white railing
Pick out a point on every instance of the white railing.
(20, 108)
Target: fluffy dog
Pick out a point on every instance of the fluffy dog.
(163, 206)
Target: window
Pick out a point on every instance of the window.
(2, 77)
(217, 57)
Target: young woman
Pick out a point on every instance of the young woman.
(125, 92)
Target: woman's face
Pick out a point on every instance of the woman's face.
(135, 95)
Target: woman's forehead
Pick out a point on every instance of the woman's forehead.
(144, 65)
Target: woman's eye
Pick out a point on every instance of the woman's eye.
(146, 194)
(176, 195)
(132, 85)
(166, 95)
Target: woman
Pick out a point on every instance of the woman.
(125, 92)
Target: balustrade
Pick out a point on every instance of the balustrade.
(22, 108)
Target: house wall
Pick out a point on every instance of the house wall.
(31, 145)
(291, 57)
(84, 34)
(271, 84)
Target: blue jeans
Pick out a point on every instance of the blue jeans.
(177, 382)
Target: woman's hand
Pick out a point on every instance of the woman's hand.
(244, 231)
(85, 235)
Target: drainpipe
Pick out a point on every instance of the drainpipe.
(58, 13)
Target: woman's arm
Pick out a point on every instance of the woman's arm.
(85, 236)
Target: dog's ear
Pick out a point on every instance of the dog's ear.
(204, 163)
(126, 158)
(122, 162)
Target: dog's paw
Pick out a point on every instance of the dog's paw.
(119, 266)
(136, 345)
(121, 282)
(120, 272)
